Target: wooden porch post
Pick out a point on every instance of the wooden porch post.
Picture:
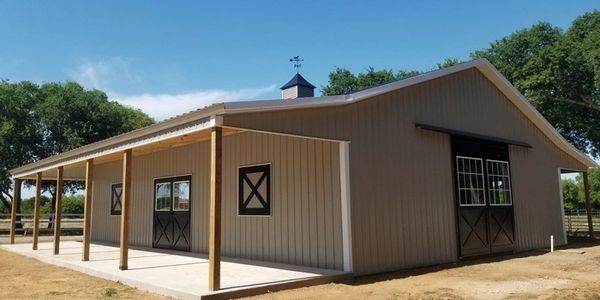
(87, 209)
(14, 206)
(36, 209)
(214, 250)
(588, 203)
(58, 208)
(125, 205)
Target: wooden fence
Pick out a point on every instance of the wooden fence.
(70, 223)
(576, 221)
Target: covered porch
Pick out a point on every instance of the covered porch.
(178, 274)
(195, 273)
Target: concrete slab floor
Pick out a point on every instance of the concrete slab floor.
(170, 273)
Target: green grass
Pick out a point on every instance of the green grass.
(109, 292)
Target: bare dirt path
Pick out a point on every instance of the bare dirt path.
(26, 278)
(572, 273)
(564, 274)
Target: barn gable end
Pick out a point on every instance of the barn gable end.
(403, 206)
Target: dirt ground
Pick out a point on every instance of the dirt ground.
(569, 273)
(565, 274)
(26, 278)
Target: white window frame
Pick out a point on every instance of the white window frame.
(502, 190)
(458, 173)
(156, 196)
(189, 182)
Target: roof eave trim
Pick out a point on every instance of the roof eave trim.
(41, 165)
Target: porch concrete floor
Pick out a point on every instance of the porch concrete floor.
(170, 273)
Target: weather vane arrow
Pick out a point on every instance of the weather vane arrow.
(296, 60)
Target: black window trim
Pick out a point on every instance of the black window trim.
(114, 212)
(255, 212)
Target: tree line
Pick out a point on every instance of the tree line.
(38, 121)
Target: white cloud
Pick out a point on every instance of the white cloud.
(163, 106)
(115, 75)
(104, 74)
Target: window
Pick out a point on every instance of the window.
(116, 190)
(498, 174)
(254, 188)
(181, 195)
(172, 194)
(471, 188)
(163, 196)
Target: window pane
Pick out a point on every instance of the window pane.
(181, 195)
(499, 182)
(470, 180)
(163, 196)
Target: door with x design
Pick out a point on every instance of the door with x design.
(172, 201)
(483, 197)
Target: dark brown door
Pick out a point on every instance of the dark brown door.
(483, 197)
(172, 200)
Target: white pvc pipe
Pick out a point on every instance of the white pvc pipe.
(551, 243)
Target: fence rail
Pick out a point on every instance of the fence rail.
(70, 222)
(576, 220)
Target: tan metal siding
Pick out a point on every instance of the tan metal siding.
(305, 225)
(403, 211)
(192, 159)
(303, 228)
(105, 227)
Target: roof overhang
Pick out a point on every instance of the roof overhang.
(180, 126)
(209, 116)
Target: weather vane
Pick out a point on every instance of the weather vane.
(297, 65)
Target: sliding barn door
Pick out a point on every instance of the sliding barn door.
(483, 197)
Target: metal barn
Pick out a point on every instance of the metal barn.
(450, 164)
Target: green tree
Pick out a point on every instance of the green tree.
(574, 194)
(41, 121)
(342, 81)
(449, 62)
(594, 180)
(27, 205)
(73, 204)
(20, 133)
(559, 72)
(571, 191)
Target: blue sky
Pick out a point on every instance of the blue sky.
(169, 57)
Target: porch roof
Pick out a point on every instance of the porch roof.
(209, 116)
